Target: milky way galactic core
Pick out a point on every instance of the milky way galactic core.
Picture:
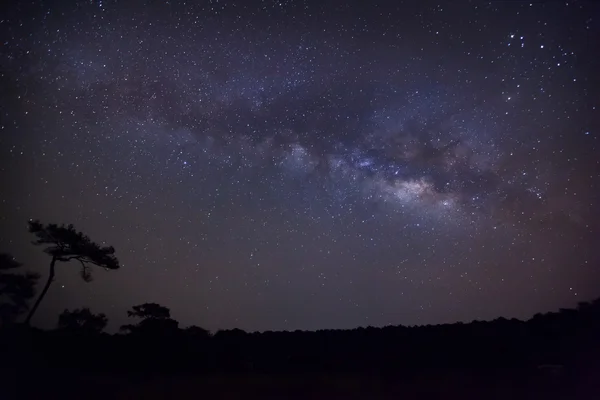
(307, 165)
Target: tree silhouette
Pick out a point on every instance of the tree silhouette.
(82, 320)
(63, 243)
(15, 289)
(155, 319)
(149, 310)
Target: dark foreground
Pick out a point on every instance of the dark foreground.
(431, 384)
(551, 356)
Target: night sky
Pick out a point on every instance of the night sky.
(282, 165)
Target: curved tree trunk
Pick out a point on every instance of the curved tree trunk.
(46, 287)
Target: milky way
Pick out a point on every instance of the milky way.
(306, 165)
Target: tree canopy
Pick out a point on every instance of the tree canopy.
(149, 310)
(64, 243)
(155, 319)
(82, 320)
(15, 289)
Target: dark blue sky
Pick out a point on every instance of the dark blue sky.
(304, 165)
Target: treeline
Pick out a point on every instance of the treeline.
(156, 344)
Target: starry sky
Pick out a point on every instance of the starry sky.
(282, 165)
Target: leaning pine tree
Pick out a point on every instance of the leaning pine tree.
(63, 243)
